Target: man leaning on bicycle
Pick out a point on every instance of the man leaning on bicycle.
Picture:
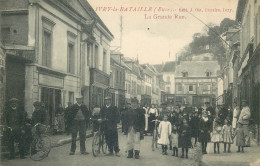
(14, 117)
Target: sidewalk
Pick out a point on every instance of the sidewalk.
(59, 140)
(251, 157)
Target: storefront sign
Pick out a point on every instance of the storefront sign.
(51, 81)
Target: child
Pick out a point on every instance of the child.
(164, 132)
(216, 133)
(175, 141)
(240, 140)
(227, 135)
(185, 137)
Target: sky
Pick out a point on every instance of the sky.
(156, 40)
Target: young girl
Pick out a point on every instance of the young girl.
(227, 135)
(185, 137)
(175, 141)
(240, 140)
(216, 133)
(164, 133)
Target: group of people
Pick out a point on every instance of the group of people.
(179, 127)
(183, 128)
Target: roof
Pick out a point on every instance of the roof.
(169, 66)
(197, 68)
(159, 67)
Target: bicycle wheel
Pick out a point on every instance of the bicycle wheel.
(104, 144)
(40, 148)
(96, 145)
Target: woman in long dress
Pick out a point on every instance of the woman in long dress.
(146, 114)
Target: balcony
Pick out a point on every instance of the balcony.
(99, 77)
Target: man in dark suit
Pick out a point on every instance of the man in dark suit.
(78, 116)
(135, 123)
(15, 118)
(110, 114)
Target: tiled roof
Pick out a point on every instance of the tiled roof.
(197, 68)
(159, 67)
(169, 66)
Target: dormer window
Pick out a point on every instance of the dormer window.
(208, 73)
(184, 74)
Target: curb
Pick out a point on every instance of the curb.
(68, 140)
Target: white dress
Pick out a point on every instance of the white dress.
(164, 130)
(146, 118)
(235, 117)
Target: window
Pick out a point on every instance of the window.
(104, 61)
(96, 56)
(190, 87)
(185, 74)
(208, 73)
(6, 35)
(71, 97)
(46, 48)
(71, 58)
(89, 52)
(179, 87)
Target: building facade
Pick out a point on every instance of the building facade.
(55, 51)
(248, 14)
(196, 82)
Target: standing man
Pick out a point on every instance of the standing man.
(244, 120)
(111, 116)
(38, 115)
(135, 123)
(78, 116)
(15, 118)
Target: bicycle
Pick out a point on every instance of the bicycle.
(155, 134)
(99, 141)
(41, 144)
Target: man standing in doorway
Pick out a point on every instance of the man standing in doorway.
(110, 114)
(135, 123)
(78, 116)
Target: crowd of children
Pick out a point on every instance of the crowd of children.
(183, 128)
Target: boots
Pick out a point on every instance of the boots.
(225, 147)
(173, 154)
(176, 152)
(130, 153)
(182, 152)
(137, 156)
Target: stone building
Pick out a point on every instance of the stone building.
(117, 79)
(196, 82)
(55, 51)
(248, 14)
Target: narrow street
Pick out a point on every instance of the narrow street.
(60, 156)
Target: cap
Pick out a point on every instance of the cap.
(13, 100)
(37, 103)
(107, 98)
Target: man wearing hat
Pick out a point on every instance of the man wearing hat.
(135, 123)
(15, 118)
(78, 117)
(244, 120)
(111, 116)
(38, 115)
